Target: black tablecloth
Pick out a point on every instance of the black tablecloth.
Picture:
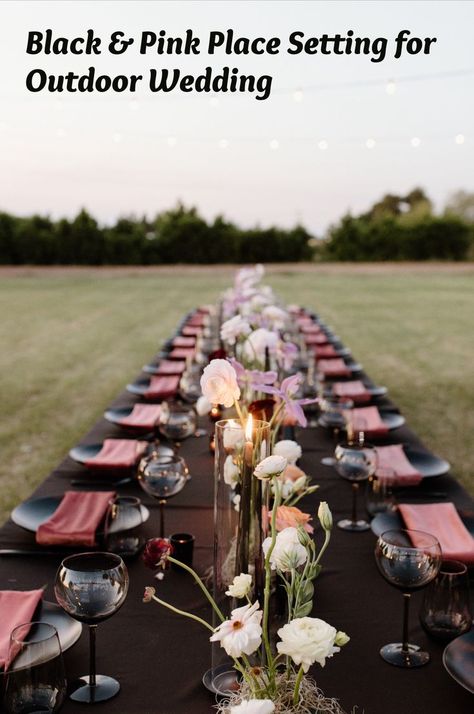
(160, 657)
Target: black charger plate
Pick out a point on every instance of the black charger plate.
(392, 420)
(375, 392)
(83, 453)
(392, 521)
(141, 385)
(458, 659)
(115, 416)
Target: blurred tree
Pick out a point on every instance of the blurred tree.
(461, 204)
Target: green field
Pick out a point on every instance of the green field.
(72, 339)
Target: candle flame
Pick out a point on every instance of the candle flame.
(248, 428)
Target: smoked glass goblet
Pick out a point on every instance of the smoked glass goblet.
(92, 587)
(408, 560)
(163, 477)
(355, 463)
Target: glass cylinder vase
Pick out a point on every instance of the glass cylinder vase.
(240, 524)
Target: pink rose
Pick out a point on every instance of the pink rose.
(292, 517)
(219, 383)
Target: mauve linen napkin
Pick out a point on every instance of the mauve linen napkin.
(76, 519)
(117, 454)
(443, 521)
(16, 608)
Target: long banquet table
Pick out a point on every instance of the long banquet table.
(159, 658)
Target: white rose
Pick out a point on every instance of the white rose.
(219, 383)
(257, 341)
(240, 587)
(233, 435)
(289, 449)
(288, 552)
(203, 406)
(253, 706)
(234, 328)
(231, 472)
(307, 640)
(271, 466)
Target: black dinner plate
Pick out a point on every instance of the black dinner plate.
(32, 513)
(154, 369)
(141, 385)
(458, 659)
(392, 420)
(375, 392)
(426, 463)
(82, 453)
(115, 416)
(392, 521)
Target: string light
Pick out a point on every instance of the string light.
(323, 144)
(459, 139)
(391, 87)
(298, 95)
(415, 142)
(274, 144)
(370, 143)
(171, 141)
(223, 143)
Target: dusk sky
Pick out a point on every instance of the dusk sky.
(335, 134)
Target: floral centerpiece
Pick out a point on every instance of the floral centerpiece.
(272, 678)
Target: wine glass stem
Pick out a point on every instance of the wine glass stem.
(406, 610)
(355, 488)
(162, 518)
(92, 668)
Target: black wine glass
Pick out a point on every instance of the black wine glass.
(91, 587)
(408, 560)
(332, 417)
(355, 462)
(163, 477)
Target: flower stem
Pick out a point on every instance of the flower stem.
(201, 585)
(296, 693)
(182, 612)
(239, 412)
(268, 572)
(327, 538)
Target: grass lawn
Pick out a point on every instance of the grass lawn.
(71, 339)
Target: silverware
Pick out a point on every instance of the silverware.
(98, 482)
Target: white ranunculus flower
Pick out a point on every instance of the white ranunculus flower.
(240, 586)
(288, 552)
(257, 341)
(275, 316)
(271, 466)
(233, 435)
(289, 449)
(234, 328)
(242, 633)
(253, 706)
(307, 640)
(219, 383)
(236, 502)
(203, 406)
(231, 472)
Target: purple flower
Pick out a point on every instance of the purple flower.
(287, 391)
(287, 352)
(253, 378)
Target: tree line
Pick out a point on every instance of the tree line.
(395, 228)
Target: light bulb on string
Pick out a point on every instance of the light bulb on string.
(370, 143)
(391, 87)
(274, 144)
(459, 139)
(323, 144)
(415, 142)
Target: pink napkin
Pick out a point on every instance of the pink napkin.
(142, 415)
(117, 454)
(443, 521)
(324, 352)
(393, 458)
(316, 339)
(16, 608)
(310, 329)
(76, 519)
(162, 387)
(182, 353)
(198, 320)
(184, 341)
(170, 366)
(191, 331)
(366, 419)
(333, 367)
(355, 390)
(304, 320)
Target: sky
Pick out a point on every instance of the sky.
(335, 134)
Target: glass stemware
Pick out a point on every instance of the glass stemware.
(355, 462)
(34, 678)
(163, 477)
(332, 417)
(91, 587)
(123, 522)
(190, 383)
(408, 560)
(445, 612)
(177, 422)
(379, 497)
